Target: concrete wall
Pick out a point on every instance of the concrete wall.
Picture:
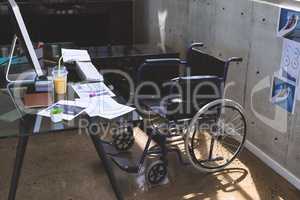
(147, 22)
(228, 28)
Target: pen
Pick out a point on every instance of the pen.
(98, 94)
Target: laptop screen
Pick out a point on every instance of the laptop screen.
(24, 37)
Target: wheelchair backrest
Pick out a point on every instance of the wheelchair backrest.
(201, 63)
(194, 92)
(158, 74)
(183, 96)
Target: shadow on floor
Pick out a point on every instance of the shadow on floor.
(66, 167)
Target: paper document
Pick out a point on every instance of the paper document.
(73, 55)
(70, 109)
(88, 90)
(88, 72)
(82, 102)
(106, 107)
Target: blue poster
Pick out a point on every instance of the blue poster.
(288, 25)
(283, 94)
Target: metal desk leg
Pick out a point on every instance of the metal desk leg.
(21, 149)
(107, 166)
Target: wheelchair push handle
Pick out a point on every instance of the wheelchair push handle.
(194, 46)
(235, 59)
(197, 44)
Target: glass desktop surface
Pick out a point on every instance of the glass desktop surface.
(15, 120)
(52, 50)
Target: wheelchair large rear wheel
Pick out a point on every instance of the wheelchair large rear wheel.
(216, 135)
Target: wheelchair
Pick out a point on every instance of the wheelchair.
(190, 117)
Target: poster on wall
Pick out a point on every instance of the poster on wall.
(290, 63)
(290, 60)
(288, 24)
(286, 84)
(283, 93)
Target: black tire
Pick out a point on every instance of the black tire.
(219, 133)
(156, 172)
(123, 139)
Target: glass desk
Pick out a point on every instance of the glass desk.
(16, 121)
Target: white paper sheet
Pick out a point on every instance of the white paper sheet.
(84, 102)
(73, 55)
(88, 90)
(72, 109)
(106, 107)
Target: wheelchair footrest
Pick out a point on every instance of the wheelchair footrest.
(125, 164)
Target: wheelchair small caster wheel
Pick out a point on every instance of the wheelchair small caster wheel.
(156, 172)
(123, 139)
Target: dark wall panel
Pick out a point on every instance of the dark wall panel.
(84, 22)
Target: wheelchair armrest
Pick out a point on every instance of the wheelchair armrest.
(200, 78)
(175, 61)
(235, 59)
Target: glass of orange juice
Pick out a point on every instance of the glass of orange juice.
(60, 76)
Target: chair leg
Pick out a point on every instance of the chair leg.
(144, 155)
(107, 166)
(21, 149)
(161, 140)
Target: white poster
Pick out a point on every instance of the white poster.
(290, 60)
(290, 63)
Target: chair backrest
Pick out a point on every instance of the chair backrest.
(201, 63)
(158, 74)
(196, 92)
(204, 82)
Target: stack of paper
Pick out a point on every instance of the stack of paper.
(88, 90)
(88, 72)
(73, 55)
(98, 106)
(103, 106)
(85, 67)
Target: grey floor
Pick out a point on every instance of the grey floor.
(66, 167)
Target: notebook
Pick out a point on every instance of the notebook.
(37, 100)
